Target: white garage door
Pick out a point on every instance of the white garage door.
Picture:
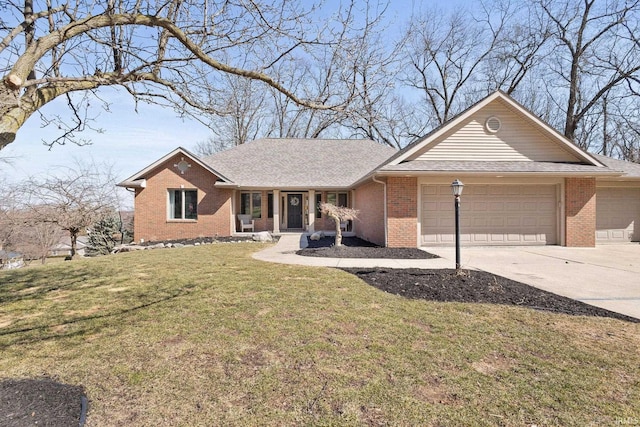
(491, 215)
(617, 214)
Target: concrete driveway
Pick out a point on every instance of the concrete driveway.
(607, 276)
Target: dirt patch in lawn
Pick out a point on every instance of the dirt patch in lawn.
(354, 247)
(27, 402)
(475, 287)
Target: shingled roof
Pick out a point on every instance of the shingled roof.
(480, 167)
(630, 169)
(299, 163)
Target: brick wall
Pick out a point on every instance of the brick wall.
(402, 212)
(580, 210)
(370, 202)
(151, 221)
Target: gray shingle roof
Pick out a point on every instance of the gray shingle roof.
(496, 167)
(630, 169)
(299, 163)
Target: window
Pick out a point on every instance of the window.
(318, 201)
(270, 205)
(183, 204)
(337, 199)
(251, 204)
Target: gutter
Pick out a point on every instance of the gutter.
(572, 174)
(138, 183)
(385, 208)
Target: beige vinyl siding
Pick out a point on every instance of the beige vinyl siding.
(617, 214)
(517, 140)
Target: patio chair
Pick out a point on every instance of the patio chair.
(246, 222)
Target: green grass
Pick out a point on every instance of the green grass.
(208, 336)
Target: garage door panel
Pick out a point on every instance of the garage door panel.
(547, 223)
(496, 222)
(476, 222)
(617, 215)
(492, 215)
(515, 222)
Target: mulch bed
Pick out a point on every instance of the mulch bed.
(445, 285)
(354, 247)
(42, 402)
(475, 287)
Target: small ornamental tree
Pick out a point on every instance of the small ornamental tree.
(338, 214)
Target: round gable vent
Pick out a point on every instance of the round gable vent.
(493, 124)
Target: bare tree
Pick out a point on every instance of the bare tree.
(35, 238)
(21, 230)
(7, 214)
(213, 144)
(338, 214)
(596, 49)
(72, 199)
(445, 57)
(376, 111)
(172, 53)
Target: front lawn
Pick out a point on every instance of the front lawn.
(209, 336)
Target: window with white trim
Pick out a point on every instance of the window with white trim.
(183, 204)
(251, 204)
(338, 199)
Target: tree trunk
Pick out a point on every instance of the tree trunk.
(74, 239)
(338, 241)
(11, 115)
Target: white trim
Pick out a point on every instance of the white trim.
(562, 220)
(276, 211)
(386, 227)
(311, 208)
(419, 173)
(140, 175)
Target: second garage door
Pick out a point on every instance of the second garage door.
(617, 215)
(491, 215)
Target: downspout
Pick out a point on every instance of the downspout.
(385, 208)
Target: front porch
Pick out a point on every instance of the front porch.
(287, 211)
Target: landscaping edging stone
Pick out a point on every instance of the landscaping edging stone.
(184, 243)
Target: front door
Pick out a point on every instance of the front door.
(294, 210)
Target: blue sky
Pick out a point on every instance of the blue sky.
(131, 140)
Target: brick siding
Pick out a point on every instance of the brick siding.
(402, 212)
(370, 222)
(580, 209)
(151, 222)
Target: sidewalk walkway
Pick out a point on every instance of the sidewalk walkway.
(605, 276)
(284, 252)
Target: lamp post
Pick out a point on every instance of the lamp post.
(456, 188)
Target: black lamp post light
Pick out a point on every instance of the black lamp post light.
(456, 189)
